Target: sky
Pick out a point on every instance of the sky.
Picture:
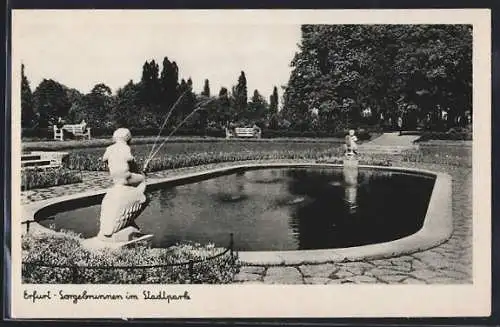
(81, 50)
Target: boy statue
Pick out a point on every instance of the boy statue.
(119, 158)
(126, 199)
(350, 146)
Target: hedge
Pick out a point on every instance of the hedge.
(65, 249)
(46, 133)
(451, 136)
(46, 177)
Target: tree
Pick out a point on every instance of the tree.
(27, 113)
(150, 96)
(273, 109)
(206, 89)
(341, 70)
(240, 95)
(170, 90)
(128, 111)
(186, 103)
(95, 107)
(77, 110)
(51, 101)
(169, 80)
(203, 117)
(273, 102)
(150, 83)
(223, 115)
(257, 109)
(437, 60)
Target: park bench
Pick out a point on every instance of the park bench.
(78, 130)
(244, 132)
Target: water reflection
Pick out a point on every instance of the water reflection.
(231, 188)
(271, 176)
(351, 187)
(164, 196)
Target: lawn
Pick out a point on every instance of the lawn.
(103, 142)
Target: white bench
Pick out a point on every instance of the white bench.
(244, 132)
(79, 130)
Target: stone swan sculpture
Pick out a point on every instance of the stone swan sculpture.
(125, 200)
(120, 207)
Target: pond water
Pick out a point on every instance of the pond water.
(278, 209)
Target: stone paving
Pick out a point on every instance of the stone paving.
(451, 262)
(393, 139)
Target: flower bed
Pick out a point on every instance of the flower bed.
(41, 178)
(65, 249)
(91, 161)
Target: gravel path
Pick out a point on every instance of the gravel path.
(394, 139)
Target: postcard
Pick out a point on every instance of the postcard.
(250, 163)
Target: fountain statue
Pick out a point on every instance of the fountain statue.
(350, 146)
(120, 207)
(350, 150)
(125, 200)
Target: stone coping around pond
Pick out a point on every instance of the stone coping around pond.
(437, 227)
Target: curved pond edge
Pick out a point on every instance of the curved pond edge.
(437, 227)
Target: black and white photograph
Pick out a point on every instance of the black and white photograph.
(226, 163)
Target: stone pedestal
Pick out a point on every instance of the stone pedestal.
(350, 172)
(351, 161)
(126, 234)
(118, 240)
(119, 209)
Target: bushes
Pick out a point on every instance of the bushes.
(454, 134)
(441, 155)
(362, 135)
(65, 249)
(40, 178)
(417, 133)
(36, 133)
(46, 133)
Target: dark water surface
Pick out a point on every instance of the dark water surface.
(279, 209)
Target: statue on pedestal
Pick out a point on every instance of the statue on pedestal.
(125, 200)
(120, 207)
(350, 146)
